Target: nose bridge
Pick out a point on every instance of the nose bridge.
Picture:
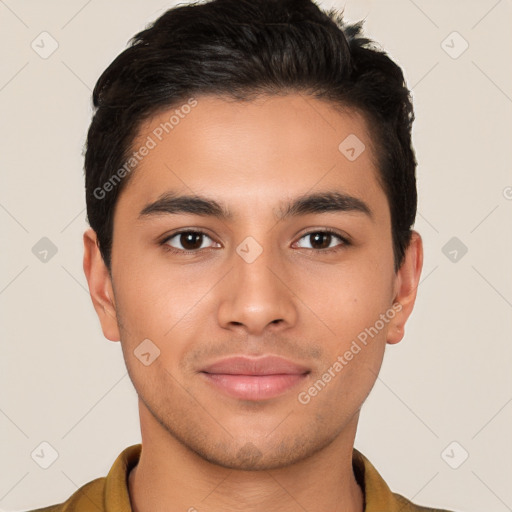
(253, 263)
(255, 294)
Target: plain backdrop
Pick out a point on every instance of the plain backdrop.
(444, 392)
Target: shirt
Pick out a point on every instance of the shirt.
(110, 493)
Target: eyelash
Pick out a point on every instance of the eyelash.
(344, 241)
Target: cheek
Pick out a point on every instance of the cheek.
(148, 291)
(345, 299)
(354, 347)
(162, 304)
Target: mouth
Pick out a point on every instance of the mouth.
(254, 379)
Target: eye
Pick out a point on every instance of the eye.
(324, 240)
(187, 241)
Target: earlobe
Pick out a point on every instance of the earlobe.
(407, 281)
(100, 286)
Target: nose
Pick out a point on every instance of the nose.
(257, 296)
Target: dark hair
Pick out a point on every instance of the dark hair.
(241, 49)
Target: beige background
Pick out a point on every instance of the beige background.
(448, 380)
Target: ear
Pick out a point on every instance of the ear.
(100, 286)
(406, 284)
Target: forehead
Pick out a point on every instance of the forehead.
(254, 153)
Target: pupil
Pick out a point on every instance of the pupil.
(326, 240)
(189, 240)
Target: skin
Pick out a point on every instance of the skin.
(201, 448)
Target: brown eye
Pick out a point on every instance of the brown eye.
(320, 240)
(323, 240)
(188, 240)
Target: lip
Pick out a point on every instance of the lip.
(254, 378)
(266, 365)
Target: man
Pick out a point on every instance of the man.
(250, 188)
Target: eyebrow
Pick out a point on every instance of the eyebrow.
(321, 202)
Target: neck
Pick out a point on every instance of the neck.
(169, 476)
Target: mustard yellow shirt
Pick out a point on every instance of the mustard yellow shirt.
(110, 493)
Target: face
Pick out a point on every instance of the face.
(287, 252)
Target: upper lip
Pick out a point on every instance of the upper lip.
(266, 365)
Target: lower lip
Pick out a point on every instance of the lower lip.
(254, 387)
